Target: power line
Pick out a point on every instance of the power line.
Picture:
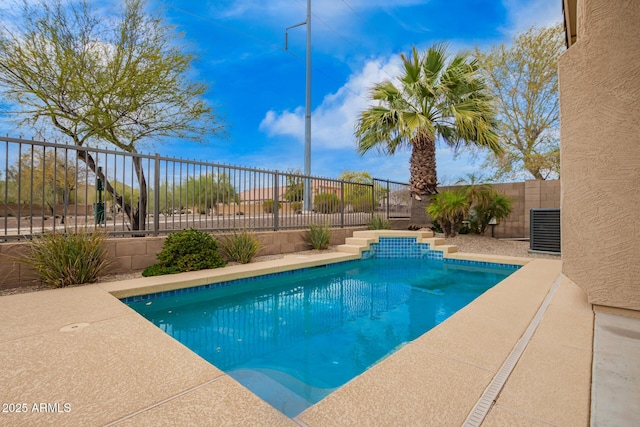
(366, 22)
(266, 42)
(325, 23)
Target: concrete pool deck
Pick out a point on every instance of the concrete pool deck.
(84, 348)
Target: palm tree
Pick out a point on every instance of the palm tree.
(436, 99)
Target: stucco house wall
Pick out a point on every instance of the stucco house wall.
(600, 152)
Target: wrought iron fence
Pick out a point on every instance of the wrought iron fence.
(46, 186)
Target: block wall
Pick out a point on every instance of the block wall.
(130, 255)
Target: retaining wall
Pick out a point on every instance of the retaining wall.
(134, 254)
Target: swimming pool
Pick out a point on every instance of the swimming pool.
(292, 338)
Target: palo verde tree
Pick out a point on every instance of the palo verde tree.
(436, 98)
(121, 79)
(523, 78)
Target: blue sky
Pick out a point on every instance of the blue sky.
(258, 88)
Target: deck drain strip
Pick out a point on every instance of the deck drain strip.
(488, 398)
(155, 405)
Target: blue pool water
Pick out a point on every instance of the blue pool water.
(292, 339)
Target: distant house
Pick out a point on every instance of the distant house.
(318, 186)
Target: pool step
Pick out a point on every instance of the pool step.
(376, 234)
(352, 249)
(362, 240)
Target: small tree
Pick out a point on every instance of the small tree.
(497, 206)
(449, 208)
(523, 78)
(295, 186)
(46, 177)
(485, 204)
(358, 191)
(207, 191)
(121, 81)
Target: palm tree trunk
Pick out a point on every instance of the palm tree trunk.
(423, 180)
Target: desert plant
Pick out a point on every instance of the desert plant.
(267, 206)
(317, 236)
(449, 208)
(159, 270)
(498, 206)
(296, 206)
(240, 246)
(436, 227)
(378, 222)
(187, 250)
(326, 203)
(362, 203)
(67, 259)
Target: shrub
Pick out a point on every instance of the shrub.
(326, 203)
(378, 223)
(296, 206)
(267, 206)
(159, 270)
(496, 206)
(240, 246)
(449, 209)
(435, 227)
(187, 250)
(362, 203)
(317, 236)
(67, 259)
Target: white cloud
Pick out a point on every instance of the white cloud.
(523, 14)
(332, 122)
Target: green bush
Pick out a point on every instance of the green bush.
(496, 206)
(449, 209)
(362, 203)
(317, 236)
(378, 223)
(326, 203)
(159, 270)
(296, 206)
(67, 259)
(240, 246)
(267, 206)
(187, 250)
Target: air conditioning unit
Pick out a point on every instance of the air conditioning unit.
(545, 231)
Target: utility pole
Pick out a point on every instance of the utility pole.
(307, 114)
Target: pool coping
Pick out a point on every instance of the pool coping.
(346, 252)
(435, 379)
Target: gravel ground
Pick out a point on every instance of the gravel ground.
(466, 243)
(486, 245)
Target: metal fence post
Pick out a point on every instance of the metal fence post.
(388, 199)
(373, 198)
(341, 204)
(156, 195)
(275, 201)
(180, 191)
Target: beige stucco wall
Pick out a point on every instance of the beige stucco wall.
(600, 153)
